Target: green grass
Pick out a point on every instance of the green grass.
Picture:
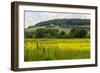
(56, 49)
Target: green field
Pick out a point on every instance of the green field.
(56, 49)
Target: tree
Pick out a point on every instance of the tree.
(46, 33)
(62, 34)
(53, 33)
(78, 33)
(40, 33)
(29, 34)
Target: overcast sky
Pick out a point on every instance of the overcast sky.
(31, 17)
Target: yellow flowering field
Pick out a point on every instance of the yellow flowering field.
(56, 49)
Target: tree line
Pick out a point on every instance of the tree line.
(55, 33)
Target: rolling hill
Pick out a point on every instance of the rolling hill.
(61, 24)
(65, 22)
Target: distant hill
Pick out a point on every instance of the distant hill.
(61, 24)
(65, 22)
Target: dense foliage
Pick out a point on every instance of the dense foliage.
(78, 33)
(55, 33)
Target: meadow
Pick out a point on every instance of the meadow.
(56, 49)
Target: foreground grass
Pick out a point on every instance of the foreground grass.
(56, 49)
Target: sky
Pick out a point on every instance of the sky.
(33, 17)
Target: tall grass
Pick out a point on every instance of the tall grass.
(56, 49)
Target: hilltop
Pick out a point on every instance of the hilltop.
(64, 23)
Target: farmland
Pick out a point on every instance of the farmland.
(56, 49)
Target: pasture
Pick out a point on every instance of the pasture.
(56, 49)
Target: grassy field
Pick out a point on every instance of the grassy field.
(56, 49)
